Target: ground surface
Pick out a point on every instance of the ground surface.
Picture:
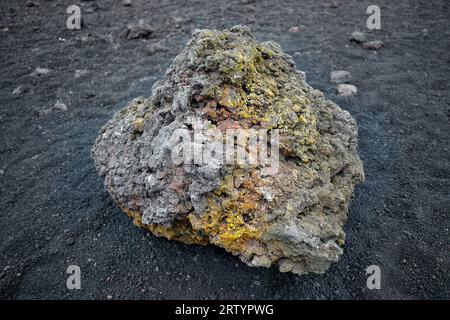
(55, 212)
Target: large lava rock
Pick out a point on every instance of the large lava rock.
(292, 217)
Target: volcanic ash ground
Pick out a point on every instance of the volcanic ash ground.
(285, 205)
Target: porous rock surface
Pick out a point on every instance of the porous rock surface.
(294, 218)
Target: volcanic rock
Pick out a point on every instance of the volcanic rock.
(340, 76)
(358, 37)
(345, 89)
(373, 45)
(291, 215)
(140, 29)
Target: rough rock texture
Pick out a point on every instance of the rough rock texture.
(293, 219)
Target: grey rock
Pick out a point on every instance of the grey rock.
(344, 89)
(80, 73)
(140, 29)
(294, 29)
(358, 37)
(70, 241)
(293, 219)
(39, 71)
(340, 76)
(373, 45)
(18, 91)
(58, 106)
(334, 4)
(155, 48)
(31, 4)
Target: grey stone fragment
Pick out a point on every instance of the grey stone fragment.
(140, 29)
(58, 106)
(345, 89)
(373, 45)
(358, 37)
(18, 91)
(80, 73)
(340, 76)
(39, 71)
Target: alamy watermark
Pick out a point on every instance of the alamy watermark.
(73, 22)
(204, 145)
(74, 280)
(374, 19)
(374, 278)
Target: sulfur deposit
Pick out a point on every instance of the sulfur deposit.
(293, 217)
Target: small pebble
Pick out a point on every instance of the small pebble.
(294, 29)
(141, 29)
(156, 47)
(373, 45)
(334, 4)
(340, 76)
(344, 89)
(79, 73)
(40, 71)
(358, 37)
(59, 106)
(70, 241)
(17, 91)
(30, 4)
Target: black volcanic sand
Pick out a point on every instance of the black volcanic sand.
(55, 211)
